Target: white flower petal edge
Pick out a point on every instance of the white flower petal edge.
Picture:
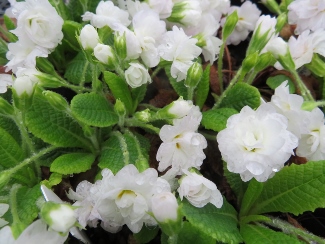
(256, 143)
(199, 191)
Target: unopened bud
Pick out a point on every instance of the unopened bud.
(230, 24)
(263, 61)
(272, 5)
(88, 37)
(316, 66)
(48, 81)
(119, 108)
(56, 100)
(104, 54)
(120, 45)
(249, 62)
(281, 21)
(60, 217)
(194, 75)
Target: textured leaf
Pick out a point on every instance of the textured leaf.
(190, 234)
(179, 87)
(79, 7)
(61, 8)
(70, 30)
(253, 234)
(216, 119)
(26, 203)
(237, 185)
(53, 126)
(138, 95)
(79, 70)
(93, 109)
(290, 188)
(202, 89)
(241, 95)
(9, 126)
(119, 89)
(72, 163)
(10, 152)
(218, 223)
(274, 81)
(252, 193)
(120, 150)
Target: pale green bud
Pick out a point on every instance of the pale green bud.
(60, 217)
(263, 61)
(49, 81)
(194, 75)
(88, 37)
(230, 24)
(5, 107)
(120, 45)
(249, 62)
(144, 115)
(272, 5)
(56, 100)
(186, 12)
(119, 108)
(281, 21)
(316, 66)
(175, 110)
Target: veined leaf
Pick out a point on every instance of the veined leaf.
(202, 89)
(191, 234)
(252, 193)
(72, 163)
(119, 89)
(241, 95)
(295, 189)
(253, 234)
(11, 128)
(218, 223)
(54, 126)
(274, 81)
(216, 119)
(70, 29)
(179, 87)
(93, 109)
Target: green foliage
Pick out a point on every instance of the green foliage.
(53, 126)
(252, 193)
(123, 149)
(274, 81)
(79, 70)
(216, 119)
(11, 128)
(3, 52)
(240, 95)
(93, 109)
(253, 234)
(202, 89)
(138, 95)
(218, 223)
(146, 234)
(285, 191)
(191, 234)
(61, 8)
(120, 89)
(72, 163)
(179, 87)
(79, 7)
(70, 30)
(9, 23)
(10, 152)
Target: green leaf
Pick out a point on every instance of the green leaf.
(9, 23)
(10, 152)
(202, 89)
(295, 189)
(79, 7)
(61, 8)
(218, 223)
(11, 128)
(106, 35)
(70, 30)
(275, 81)
(146, 234)
(237, 185)
(53, 126)
(3, 52)
(190, 234)
(79, 70)
(72, 163)
(216, 119)
(253, 234)
(252, 193)
(93, 109)
(119, 89)
(120, 150)
(179, 87)
(26, 203)
(240, 95)
(138, 95)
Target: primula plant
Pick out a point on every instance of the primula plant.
(150, 127)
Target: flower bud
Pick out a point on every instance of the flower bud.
(23, 85)
(175, 110)
(49, 81)
(120, 45)
(249, 62)
(60, 217)
(56, 100)
(278, 47)
(119, 108)
(88, 37)
(164, 207)
(281, 21)
(104, 54)
(263, 61)
(230, 24)
(5, 107)
(272, 5)
(194, 75)
(187, 12)
(316, 66)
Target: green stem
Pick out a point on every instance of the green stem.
(286, 227)
(190, 93)
(251, 77)
(305, 93)
(231, 84)
(13, 202)
(220, 64)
